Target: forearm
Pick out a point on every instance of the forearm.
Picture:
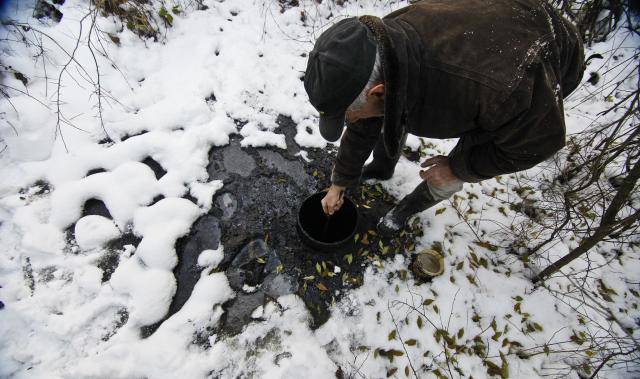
(356, 146)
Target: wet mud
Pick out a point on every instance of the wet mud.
(254, 217)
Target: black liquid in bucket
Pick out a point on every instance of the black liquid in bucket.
(323, 232)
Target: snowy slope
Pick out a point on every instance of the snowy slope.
(247, 58)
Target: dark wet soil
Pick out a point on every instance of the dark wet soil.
(254, 218)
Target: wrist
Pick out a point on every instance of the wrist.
(336, 188)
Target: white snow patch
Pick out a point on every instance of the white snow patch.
(93, 231)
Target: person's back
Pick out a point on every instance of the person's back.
(492, 72)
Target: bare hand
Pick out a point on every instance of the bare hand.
(439, 173)
(332, 202)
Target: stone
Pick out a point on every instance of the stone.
(276, 285)
(239, 312)
(204, 235)
(95, 207)
(43, 9)
(236, 161)
(248, 267)
(156, 167)
(228, 204)
(293, 169)
(281, 356)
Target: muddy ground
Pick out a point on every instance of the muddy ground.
(254, 218)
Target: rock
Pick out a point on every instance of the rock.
(1, 305)
(293, 169)
(43, 9)
(236, 161)
(95, 207)
(281, 356)
(276, 285)
(94, 171)
(239, 313)
(156, 167)
(228, 204)
(248, 267)
(204, 235)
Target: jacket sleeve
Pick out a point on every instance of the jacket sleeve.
(355, 147)
(521, 132)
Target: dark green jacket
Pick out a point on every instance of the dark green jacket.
(490, 71)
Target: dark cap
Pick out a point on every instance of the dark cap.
(338, 68)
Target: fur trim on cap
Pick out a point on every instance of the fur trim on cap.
(394, 81)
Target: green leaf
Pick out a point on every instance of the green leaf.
(486, 245)
(504, 368)
(493, 369)
(318, 268)
(440, 211)
(166, 16)
(392, 335)
(411, 342)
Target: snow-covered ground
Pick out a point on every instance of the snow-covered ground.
(247, 58)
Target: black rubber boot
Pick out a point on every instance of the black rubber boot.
(382, 166)
(417, 201)
(377, 170)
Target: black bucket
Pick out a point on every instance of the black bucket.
(327, 233)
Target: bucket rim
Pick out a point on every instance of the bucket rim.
(309, 240)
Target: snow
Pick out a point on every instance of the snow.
(161, 225)
(204, 192)
(94, 231)
(211, 258)
(61, 320)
